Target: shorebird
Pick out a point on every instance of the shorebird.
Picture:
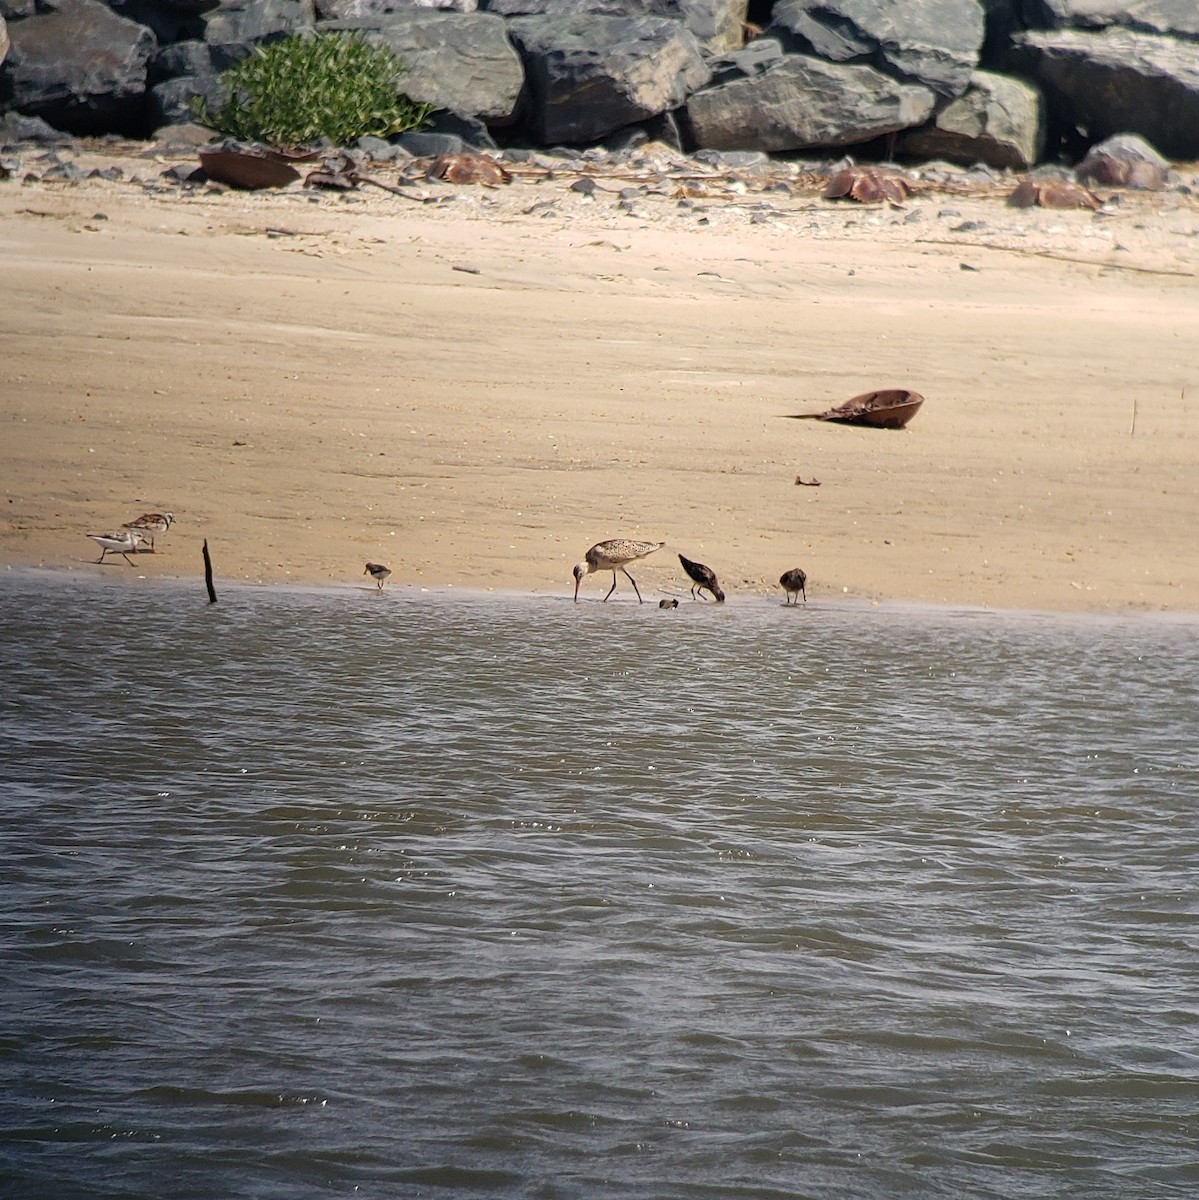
(702, 577)
(671, 603)
(794, 582)
(123, 543)
(612, 555)
(151, 523)
(378, 572)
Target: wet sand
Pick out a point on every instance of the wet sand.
(474, 391)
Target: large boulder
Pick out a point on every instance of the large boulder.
(80, 67)
(997, 121)
(1118, 81)
(718, 25)
(590, 75)
(235, 26)
(463, 62)
(763, 99)
(372, 10)
(932, 42)
(1178, 18)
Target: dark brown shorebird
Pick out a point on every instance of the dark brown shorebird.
(702, 577)
(614, 555)
(150, 524)
(794, 582)
(378, 572)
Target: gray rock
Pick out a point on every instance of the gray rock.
(4, 42)
(235, 26)
(17, 128)
(718, 25)
(998, 121)
(803, 103)
(15, 9)
(372, 10)
(170, 102)
(81, 67)
(460, 61)
(1179, 18)
(430, 145)
(590, 75)
(181, 58)
(932, 42)
(1118, 81)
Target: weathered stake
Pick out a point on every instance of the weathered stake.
(208, 575)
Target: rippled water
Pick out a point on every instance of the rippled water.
(331, 893)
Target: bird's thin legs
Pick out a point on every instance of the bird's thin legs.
(612, 588)
(632, 581)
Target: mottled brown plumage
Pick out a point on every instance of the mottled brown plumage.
(702, 577)
(378, 572)
(794, 582)
(613, 555)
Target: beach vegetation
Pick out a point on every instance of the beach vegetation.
(302, 89)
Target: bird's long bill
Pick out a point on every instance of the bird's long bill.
(577, 582)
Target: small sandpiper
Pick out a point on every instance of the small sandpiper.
(151, 523)
(378, 572)
(124, 543)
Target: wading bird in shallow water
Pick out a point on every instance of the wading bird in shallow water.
(613, 555)
(378, 572)
(151, 523)
(794, 582)
(702, 577)
(124, 543)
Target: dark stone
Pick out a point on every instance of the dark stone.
(718, 25)
(236, 26)
(997, 121)
(80, 67)
(18, 128)
(935, 43)
(802, 103)
(168, 21)
(591, 75)
(430, 145)
(172, 101)
(461, 62)
(1118, 82)
(1174, 18)
(181, 58)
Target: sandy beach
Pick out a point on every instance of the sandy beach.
(475, 390)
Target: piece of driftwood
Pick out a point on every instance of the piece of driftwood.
(208, 574)
(890, 408)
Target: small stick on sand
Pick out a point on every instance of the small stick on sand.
(1133, 428)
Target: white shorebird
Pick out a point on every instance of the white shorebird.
(124, 543)
(151, 523)
(794, 582)
(613, 555)
(378, 572)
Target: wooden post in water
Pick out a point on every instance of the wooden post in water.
(208, 575)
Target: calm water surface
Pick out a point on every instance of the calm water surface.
(330, 893)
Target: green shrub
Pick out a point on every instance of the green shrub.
(296, 91)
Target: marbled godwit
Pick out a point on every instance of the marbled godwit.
(794, 582)
(612, 555)
(702, 577)
(123, 543)
(151, 523)
(378, 572)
